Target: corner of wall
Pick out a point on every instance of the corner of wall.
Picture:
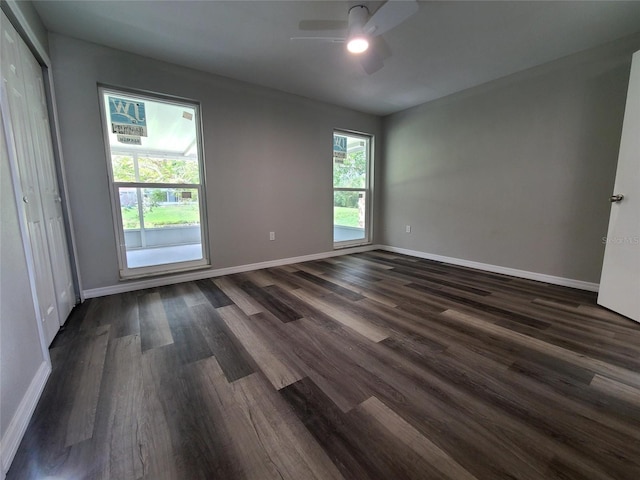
(28, 23)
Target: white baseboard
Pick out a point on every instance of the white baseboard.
(201, 274)
(13, 436)
(540, 277)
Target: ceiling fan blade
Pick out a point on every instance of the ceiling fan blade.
(381, 47)
(319, 39)
(312, 25)
(371, 61)
(390, 15)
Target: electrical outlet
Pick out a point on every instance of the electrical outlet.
(407, 229)
(272, 235)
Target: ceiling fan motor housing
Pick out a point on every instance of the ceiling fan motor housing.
(358, 16)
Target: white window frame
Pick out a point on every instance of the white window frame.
(125, 271)
(368, 191)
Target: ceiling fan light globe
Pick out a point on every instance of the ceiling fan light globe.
(358, 45)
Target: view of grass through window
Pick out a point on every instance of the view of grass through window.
(345, 216)
(162, 216)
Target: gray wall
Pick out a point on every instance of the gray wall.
(514, 173)
(268, 158)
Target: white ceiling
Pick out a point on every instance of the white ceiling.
(446, 47)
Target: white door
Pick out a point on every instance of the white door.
(48, 183)
(17, 124)
(620, 280)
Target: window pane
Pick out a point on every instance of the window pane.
(123, 168)
(129, 208)
(168, 170)
(349, 216)
(350, 167)
(161, 225)
(155, 140)
(161, 125)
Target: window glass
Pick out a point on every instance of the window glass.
(351, 200)
(156, 174)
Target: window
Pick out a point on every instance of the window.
(157, 182)
(351, 189)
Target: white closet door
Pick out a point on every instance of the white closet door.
(18, 129)
(47, 180)
(620, 279)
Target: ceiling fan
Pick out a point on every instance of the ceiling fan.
(362, 31)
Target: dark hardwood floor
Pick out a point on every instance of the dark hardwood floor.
(366, 366)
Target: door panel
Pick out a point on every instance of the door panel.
(620, 280)
(48, 184)
(33, 165)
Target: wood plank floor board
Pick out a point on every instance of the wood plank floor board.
(595, 348)
(340, 436)
(283, 278)
(73, 327)
(248, 305)
(340, 269)
(287, 279)
(261, 278)
(154, 326)
(279, 309)
(330, 286)
(120, 312)
(374, 365)
(617, 389)
(128, 322)
(198, 435)
(360, 287)
(212, 292)
(230, 354)
(416, 390)
(187, 334)
(359, 261)
(317, 360)
(436, 281)
(499, 312)
(119, 408)
(334, 308)
(288, 438)
(264, 441)
(160, 456)
(191, 293)
(621, 374)
(618, 409)
(293, 302)
(449, 368)
(275, 362)
(512, 285)
(50, 421)
(83, 411)
(607, 326)
(413, 439)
